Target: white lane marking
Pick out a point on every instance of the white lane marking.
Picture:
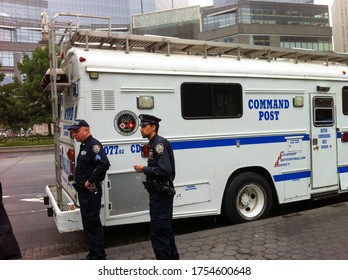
(27, 212)
(39, 199)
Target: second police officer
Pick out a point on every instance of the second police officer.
(160, 173)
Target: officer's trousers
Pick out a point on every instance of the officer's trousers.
(90, 204)
(161, 226)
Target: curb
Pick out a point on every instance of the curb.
(26, 148)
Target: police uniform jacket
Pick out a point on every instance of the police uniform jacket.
(92, 163)
(161, 163)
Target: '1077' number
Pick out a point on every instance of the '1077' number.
(113, 150)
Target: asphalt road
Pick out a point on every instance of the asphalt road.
(24, 176)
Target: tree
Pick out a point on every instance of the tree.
(23, 104)
(2, 75)
(38, 105)
(12, 104)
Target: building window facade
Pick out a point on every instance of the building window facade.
(270, 23)
(312, 43)
(6, 58)
(260, 40)
(251, 12)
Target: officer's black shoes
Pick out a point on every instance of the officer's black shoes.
(90, 257)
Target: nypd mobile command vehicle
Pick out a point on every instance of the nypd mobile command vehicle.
(250, 126)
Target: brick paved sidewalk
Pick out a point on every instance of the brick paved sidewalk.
(317, 234)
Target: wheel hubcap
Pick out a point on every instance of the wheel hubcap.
(251, 201)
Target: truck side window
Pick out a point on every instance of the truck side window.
(345, 100)
(323, 111)
(211, 100)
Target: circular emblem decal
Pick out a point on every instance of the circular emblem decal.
(126, 123)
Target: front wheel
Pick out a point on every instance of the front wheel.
(248, 197)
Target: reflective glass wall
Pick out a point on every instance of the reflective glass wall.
(20, 21)
(268, 13)
(286, 23)
(20, 32)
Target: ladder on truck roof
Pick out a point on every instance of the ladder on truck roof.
(170, 45)
(69, 34)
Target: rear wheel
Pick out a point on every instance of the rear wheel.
(248, 197)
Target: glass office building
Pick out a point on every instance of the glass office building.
(179, 22)
(340, 25)
(20, 32)
(257, 22)
(288, 24)
(120, 11)
(20, 21)
(221, 3)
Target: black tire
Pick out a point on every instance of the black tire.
(248, 197)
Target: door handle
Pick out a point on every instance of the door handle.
(315, 144)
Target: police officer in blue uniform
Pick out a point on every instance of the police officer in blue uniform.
(90, 171)
(160, 173)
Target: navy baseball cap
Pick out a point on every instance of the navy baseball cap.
(148, 119)
(77, 124)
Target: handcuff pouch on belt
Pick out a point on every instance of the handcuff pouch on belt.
(166, 186)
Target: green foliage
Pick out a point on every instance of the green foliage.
(2, 75)
(26, 141)
(12, 104)
(38, 105)
(23, 104)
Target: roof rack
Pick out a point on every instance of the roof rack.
(169, 45)
(74, 35)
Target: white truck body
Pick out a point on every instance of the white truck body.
(250, 126)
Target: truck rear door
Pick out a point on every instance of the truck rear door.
(324, 143)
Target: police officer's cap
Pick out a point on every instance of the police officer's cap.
(77, 124)
(148, 119)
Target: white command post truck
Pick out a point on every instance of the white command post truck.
(251, 126)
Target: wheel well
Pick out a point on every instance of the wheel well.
(259, 170)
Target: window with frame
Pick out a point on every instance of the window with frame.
(323, 111)
(211, 100)
(345, 100)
